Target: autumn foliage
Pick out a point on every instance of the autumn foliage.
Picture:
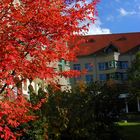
(33, 37)
(13, 113)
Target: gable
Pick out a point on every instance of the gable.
(110, 49)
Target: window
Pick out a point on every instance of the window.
(103, 77)
(111, 48)
(91, 40)
(68, 80)
(102, 66)
(107, 65)
(124, 76)
(60, 68)
(121, 76)
(77, 67)
(124, 64)
(118, 76)
(112, 76)
(89, 78)
(118, 64)
(89, 67)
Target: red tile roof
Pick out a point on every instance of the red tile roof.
(123, 41)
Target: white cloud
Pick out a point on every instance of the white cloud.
(97, 29)
(123, 12)
(110, 18)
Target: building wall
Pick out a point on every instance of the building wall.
(63, 82)
(101, 57)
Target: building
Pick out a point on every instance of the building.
(62, 82)
(106, 57)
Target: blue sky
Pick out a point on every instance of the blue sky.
(117, 16)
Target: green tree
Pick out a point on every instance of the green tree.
(83, 115)
(38, 129)
(79, 114)
(134, 79)
(134, 71)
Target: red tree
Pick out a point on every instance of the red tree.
(33, 35)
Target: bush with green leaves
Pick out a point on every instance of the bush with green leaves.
(37, 129)
(87, 114)
(83, 115)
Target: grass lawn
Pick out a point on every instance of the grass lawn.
(130, 130)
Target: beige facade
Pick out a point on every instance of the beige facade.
(109, 61)
(61, 81)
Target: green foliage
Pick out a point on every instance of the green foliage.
(37, 130)
(134, 76)
(134, 71)
(83, 115)
(76, 115)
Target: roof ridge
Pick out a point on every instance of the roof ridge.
(112, 34)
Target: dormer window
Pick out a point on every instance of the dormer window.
(91, 40)
(111, 48)
(122, 38)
